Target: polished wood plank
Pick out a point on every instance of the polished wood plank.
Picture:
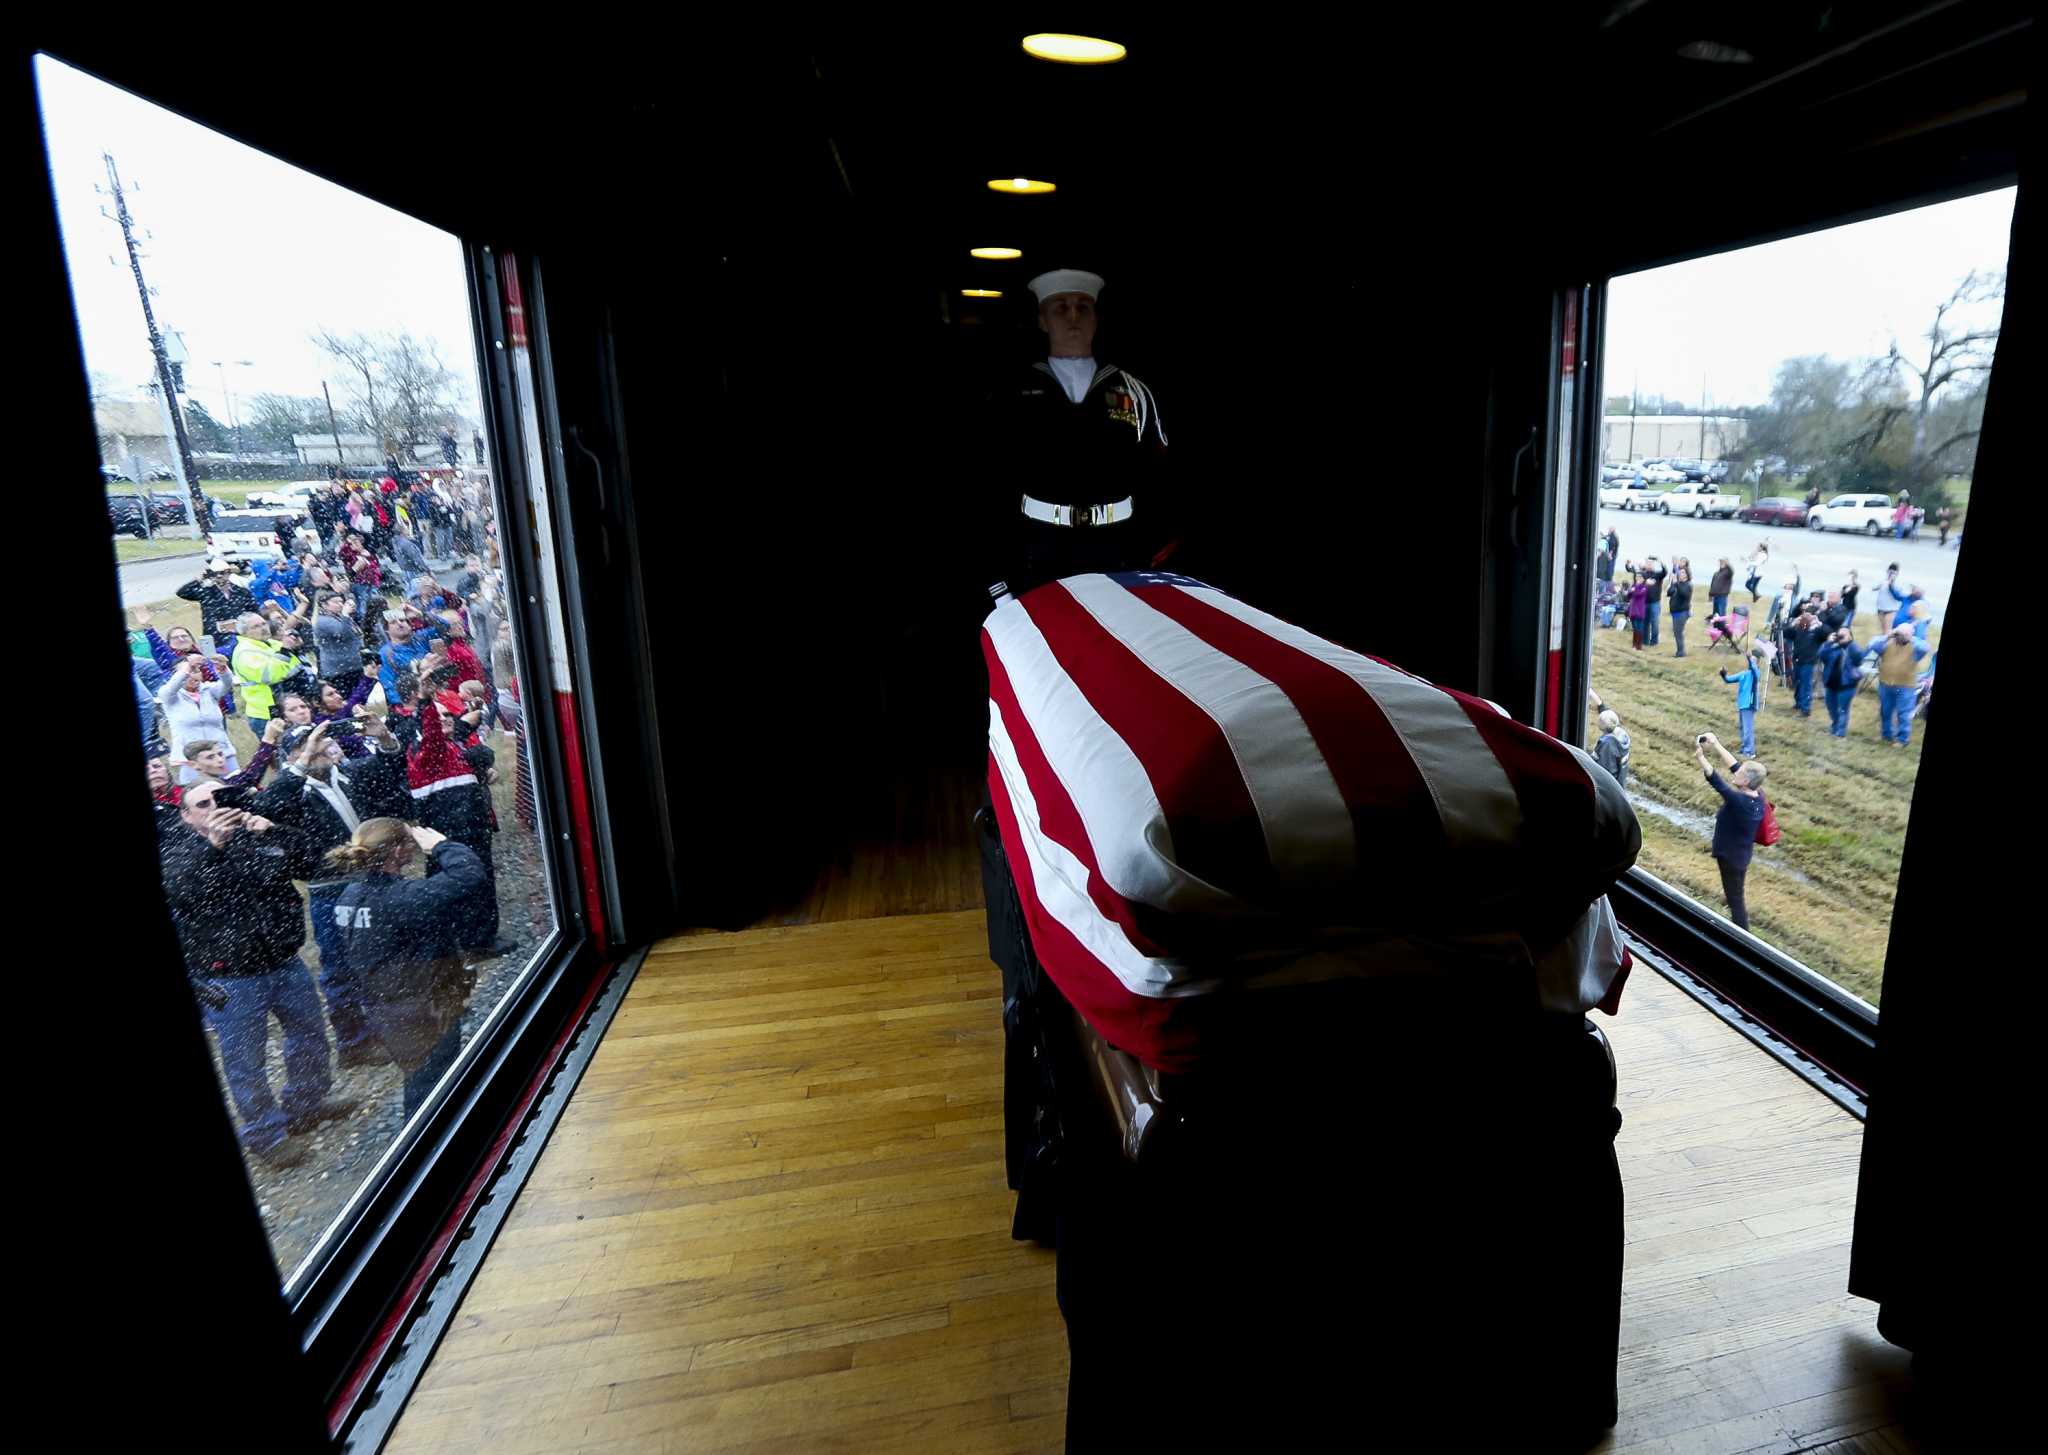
(906, 843)
(1739, 1183)
(774, 1218)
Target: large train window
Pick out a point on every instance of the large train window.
(327, 670)
(1786, 451)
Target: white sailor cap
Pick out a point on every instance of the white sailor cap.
(1065, 280)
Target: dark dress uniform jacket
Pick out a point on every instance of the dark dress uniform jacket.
(1110, 446)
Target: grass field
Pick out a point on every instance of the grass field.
(127, 548)
(1826, 893)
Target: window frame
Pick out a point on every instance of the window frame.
(344, 1308)
(1779, 998)
(349, 1295)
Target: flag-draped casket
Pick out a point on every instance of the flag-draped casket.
(1201, 802)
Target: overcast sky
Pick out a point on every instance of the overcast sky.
(1730, 320)
(248, 254)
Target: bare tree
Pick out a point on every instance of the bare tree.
(357, 353)
(420, 387)
(1951, 356)
(396, 388)
(270, 420)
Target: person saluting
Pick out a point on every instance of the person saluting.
(400, 936)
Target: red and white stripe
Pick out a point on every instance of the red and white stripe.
(1194, 793)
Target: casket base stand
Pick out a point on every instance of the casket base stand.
(1393, 1219)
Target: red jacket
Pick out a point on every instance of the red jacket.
(463, 656)
(362, 565)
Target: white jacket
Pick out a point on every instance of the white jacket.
(187, 718)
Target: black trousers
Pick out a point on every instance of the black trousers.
(1732, 875)
(1049, 552)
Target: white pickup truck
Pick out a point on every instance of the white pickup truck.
(1629, 494)
(1871, 514)
(1699, 501)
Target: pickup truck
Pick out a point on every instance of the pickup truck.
(1699, 501)
(1871, 514)
(242, 537)
(1630, 495)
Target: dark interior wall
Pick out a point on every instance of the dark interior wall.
(814, 482)
(1333, 257)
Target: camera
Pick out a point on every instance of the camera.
(1701, 740)
(231, 797)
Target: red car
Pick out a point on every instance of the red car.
(1774, 510)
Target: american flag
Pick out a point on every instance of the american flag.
(1196, 796)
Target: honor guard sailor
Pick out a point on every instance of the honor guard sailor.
(1079, 445)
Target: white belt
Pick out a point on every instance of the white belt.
(1078, 514)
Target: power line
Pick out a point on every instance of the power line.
(165, 376)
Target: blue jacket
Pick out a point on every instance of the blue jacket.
(266, 584)
(1838, 665)
(145, 699)
(386, 923)
(394, 658)
(1745, 687)
(1736, 824)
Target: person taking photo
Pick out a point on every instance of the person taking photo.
(1736, 825)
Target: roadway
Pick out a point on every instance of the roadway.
(143, 582)
(1821, 558)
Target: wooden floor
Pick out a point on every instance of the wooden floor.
(907, 848)
(773, 1218)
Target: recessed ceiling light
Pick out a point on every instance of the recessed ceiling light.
(1713, 50)
(1019, 185)
(995, 252)
(981, 292)
(1073, 50)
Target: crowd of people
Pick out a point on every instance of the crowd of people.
(374, 682)
(1808, 642)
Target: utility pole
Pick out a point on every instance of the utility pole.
(156, 347)
(1702, 455)
(1635, 393)
(333, 428)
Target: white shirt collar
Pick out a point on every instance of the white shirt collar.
(331, 789)
(1075, 375)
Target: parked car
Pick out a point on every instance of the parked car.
(1871, 514)
(1630, 495)
(166, 508)
(243, 536)
(124, 515)
(1617, 472)
(1698, 501)
(1659, 473)
(1774, 510)
(1772, 464)
(291, 497)
(1717, 473)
